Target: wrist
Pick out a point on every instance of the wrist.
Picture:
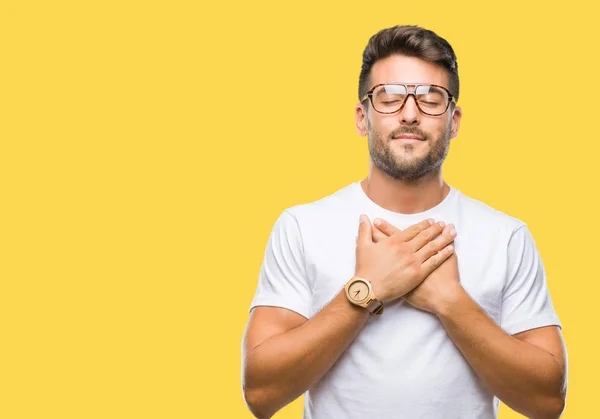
(377, 288)
(362, 312)
(451, 298)
(359, 292)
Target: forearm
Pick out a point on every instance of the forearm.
(286, 365)
(525, 377)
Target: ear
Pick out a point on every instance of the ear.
(456, 117)
(361, 120)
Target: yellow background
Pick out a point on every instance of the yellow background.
(146, 149)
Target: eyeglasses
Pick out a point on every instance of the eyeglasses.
(431, 99)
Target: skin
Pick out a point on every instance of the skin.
(285, 354)
(406, 178)
(527, 371)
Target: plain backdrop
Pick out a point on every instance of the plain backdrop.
(147, 147)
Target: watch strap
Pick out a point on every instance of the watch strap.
(375, 307)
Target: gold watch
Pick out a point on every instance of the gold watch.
(360, 292)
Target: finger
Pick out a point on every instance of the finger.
(412, 231)
(378, 235)
(436, 260)
(427, 235)
(385, 227)
(444, 239)
(364, 231)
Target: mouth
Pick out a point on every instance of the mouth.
(408, 138)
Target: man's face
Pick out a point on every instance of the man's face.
(404, 158)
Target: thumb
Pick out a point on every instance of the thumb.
(364, 231)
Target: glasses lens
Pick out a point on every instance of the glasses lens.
(389, 98)
(432, 100)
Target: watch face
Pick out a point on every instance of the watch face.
(358, 291)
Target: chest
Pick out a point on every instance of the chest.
(481, 264)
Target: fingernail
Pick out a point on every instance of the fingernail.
(363, 218)
(377, 221)
(453, 231)
(443, 224)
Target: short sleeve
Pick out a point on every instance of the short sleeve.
(282, 280)
(526, 302)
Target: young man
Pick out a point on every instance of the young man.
(413, 318)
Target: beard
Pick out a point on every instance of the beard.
(409, 165)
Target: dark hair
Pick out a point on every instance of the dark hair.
(412, 41)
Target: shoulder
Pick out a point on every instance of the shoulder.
(336, 204)
(486, 218)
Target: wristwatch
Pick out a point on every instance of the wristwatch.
(359, 292)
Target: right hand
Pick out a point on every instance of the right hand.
(399, 263)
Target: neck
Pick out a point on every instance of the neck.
(402, 196)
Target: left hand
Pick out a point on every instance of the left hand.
(441, 287)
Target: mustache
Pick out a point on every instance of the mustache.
(409, 130)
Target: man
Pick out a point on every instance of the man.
(413, 318)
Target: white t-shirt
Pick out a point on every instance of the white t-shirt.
(403, 364)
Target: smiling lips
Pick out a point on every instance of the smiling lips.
(408, 138)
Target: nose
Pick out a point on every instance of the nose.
(409, 112)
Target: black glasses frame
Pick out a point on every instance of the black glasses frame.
(369, 95)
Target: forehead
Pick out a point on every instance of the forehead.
(400, 68)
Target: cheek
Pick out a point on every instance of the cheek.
(438, 129)
(382, 125)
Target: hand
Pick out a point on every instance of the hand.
(397, 263)
(439, 287)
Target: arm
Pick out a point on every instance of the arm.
(526, 371)
(285, 354)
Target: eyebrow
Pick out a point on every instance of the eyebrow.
(411, 84)
(392, 85)
(433, 87)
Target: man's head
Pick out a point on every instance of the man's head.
(413, 56)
